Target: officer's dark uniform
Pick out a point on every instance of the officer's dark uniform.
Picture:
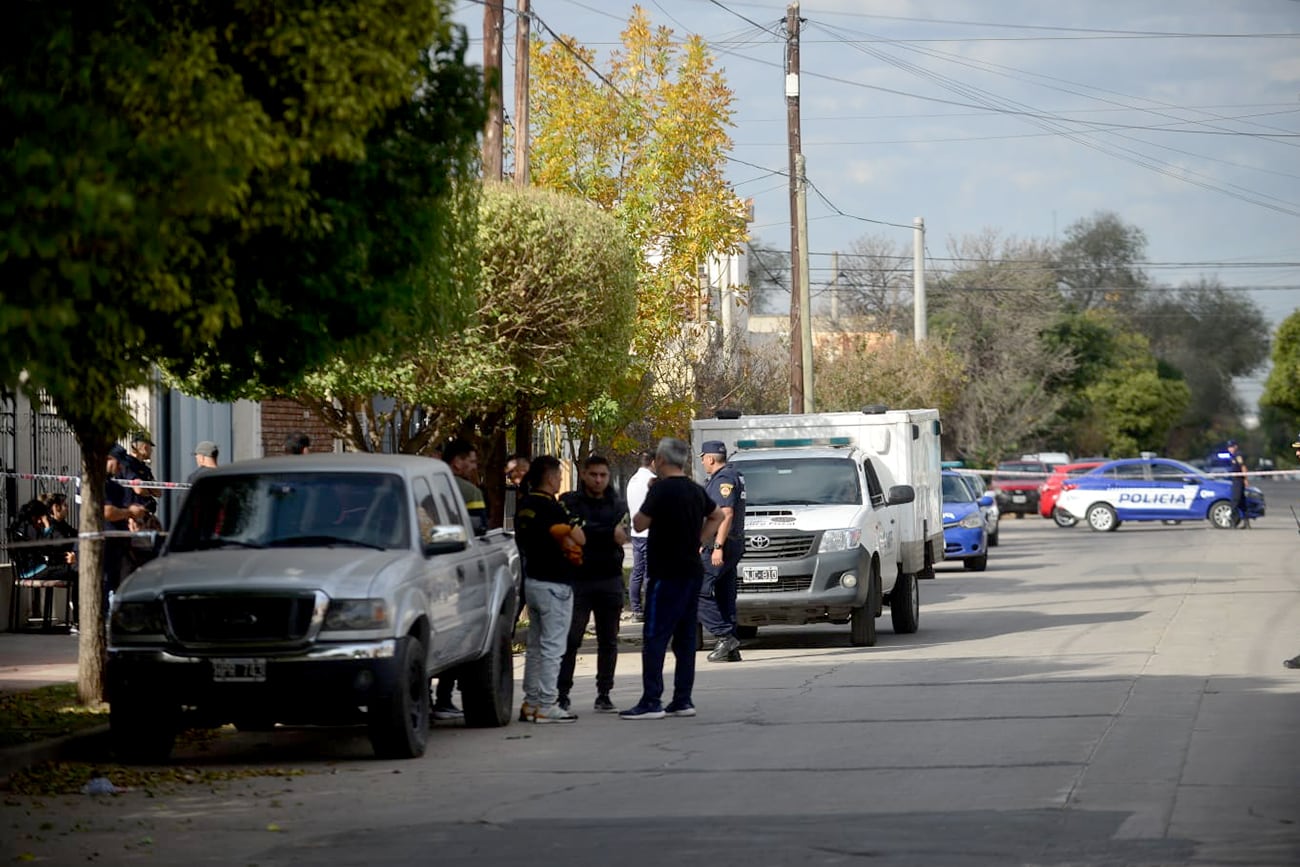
(726, 488)
(1238, 467)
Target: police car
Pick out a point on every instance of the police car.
(1154, 489)
(965, 533)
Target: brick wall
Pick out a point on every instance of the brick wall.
(281, 417)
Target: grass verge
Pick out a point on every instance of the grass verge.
(46, 712)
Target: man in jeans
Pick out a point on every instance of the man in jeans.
(550, 546)
(680, 517)
(637, 487)
(598, 586)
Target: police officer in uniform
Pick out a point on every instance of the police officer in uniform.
(726, 487)
(1238, 468)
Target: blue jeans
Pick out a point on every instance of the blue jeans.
(550, 608)
(636, 585)
(671, 608)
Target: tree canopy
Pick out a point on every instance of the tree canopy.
(230, 190)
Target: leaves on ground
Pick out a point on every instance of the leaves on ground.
(47, 712)
(67, 778)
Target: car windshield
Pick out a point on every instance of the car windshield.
(955, 490)
(301, 510)
(803, 482)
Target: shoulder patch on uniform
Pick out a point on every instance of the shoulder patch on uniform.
(725, 489)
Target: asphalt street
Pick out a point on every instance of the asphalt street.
(1091, 699)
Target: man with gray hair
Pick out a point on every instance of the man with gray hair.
(680, 517)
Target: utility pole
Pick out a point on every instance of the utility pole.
(798, 281)
(805, 295)
(919, 329)
(523, 24)
(835, 287)
(493, 25)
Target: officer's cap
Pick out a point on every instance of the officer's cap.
(714, 447)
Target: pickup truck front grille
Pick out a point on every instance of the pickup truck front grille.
(236, 618)
(784, 584)
(761, 546)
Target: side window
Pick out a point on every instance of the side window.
(874, 490)
(448, 505)
(426, 510)
(1128, 472)
(1166, 473)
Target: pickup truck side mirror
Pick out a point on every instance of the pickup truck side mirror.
(446, 539)
(899, 494)
(986, 500)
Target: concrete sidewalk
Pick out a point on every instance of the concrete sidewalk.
(32, 659)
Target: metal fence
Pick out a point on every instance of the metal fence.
(33, 439)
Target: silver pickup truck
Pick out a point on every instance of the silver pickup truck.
(320, 589)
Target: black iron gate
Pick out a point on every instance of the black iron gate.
(34, 441)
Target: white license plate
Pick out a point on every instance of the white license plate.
(1018, 498)
(239, 670)
(758, 574)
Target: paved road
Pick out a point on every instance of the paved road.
(1091, 699)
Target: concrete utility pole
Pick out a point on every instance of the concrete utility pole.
(493, 24)
(805, 296)
(919, 329)
(523, 25)
(835, 287)
(798, 281)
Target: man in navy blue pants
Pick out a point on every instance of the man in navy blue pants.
(680, 516)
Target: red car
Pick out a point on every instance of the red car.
(1051, 489)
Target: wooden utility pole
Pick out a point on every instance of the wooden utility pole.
(798, 281)
(493, 24)
(523, 24)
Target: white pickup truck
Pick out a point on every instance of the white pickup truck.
(320, 589)
(843, 514)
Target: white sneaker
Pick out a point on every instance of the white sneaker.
(554, 714)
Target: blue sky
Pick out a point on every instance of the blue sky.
(1182, 117)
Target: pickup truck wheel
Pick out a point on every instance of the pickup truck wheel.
(862, 620)
(905, 605)
(142, 730)
(487, 685)
(746, 632)
(399, 722)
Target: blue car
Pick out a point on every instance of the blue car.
(1154, 489)
(965, 533)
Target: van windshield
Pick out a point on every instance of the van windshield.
(815, 482)
(293, 510)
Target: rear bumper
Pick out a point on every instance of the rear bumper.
(1019, 502)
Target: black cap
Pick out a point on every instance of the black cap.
(714, 447)
(141, 436)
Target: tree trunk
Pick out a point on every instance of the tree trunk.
(523, 427)
(92, 644)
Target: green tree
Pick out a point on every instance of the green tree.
(228, 190)
(1134, 406)
(1282, 389)
(1098, 263)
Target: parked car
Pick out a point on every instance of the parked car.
(321, 590)
(965, 536)
(992, 515)
(1015, 484)
(1153, 489)
(1051, 489)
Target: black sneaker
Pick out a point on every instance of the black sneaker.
(604, 705)
(680, 708)
(563, 702)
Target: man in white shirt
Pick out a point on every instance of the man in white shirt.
(637, 487)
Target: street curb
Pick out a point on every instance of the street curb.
(91, 743)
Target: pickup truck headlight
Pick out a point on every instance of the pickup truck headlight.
(137, 618)
(973, 520)
(840, 540)
(356, 614)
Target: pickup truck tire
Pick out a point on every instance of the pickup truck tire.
(1102, 518)
(399, 722)
(905, 605)
(142, 729)
(862, 620)
(487, 685)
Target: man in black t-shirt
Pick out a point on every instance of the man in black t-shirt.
(679, 516)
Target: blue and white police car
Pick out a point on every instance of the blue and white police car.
(1152, 489)
(965, 533)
